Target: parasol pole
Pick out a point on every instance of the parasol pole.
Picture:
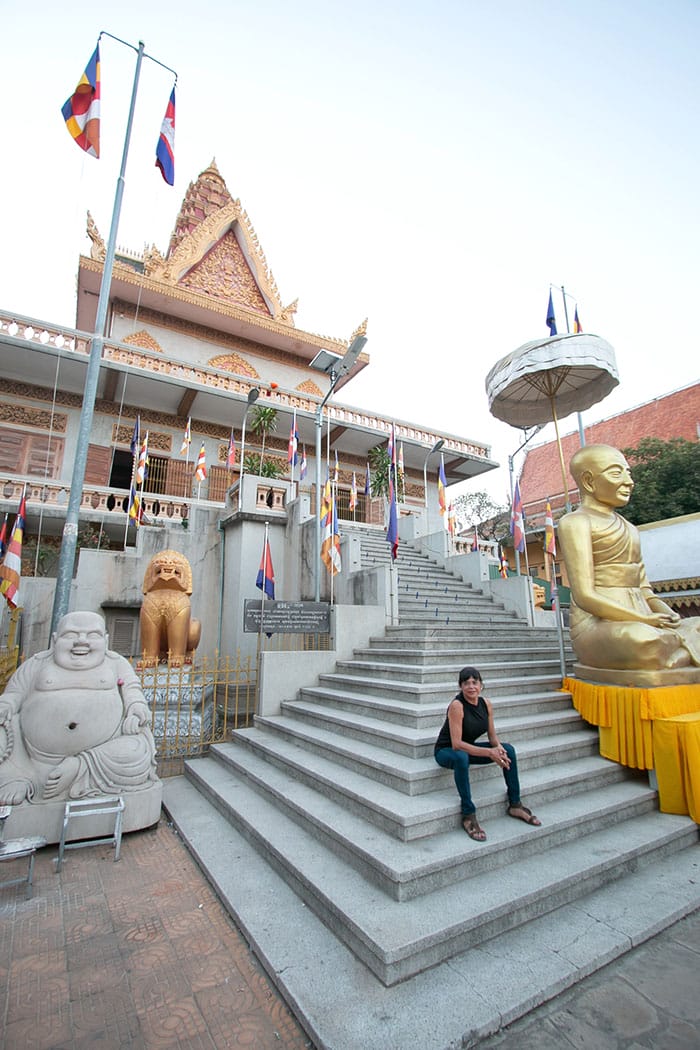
(581, 434)
(561, 454)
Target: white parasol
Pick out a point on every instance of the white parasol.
(548, 379)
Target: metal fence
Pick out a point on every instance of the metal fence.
(9, 654)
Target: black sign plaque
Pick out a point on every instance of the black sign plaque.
(286, 617)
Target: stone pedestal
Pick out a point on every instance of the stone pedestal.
(182, 706)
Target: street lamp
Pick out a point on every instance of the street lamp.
(436, 448)
(335, 367)
(253, 395)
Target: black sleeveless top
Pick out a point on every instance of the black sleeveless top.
(475, 723)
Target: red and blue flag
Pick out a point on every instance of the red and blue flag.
(266, 574)
(165, 150)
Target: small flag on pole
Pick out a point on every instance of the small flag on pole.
(551, 320)
(503, 564)
(368, 483)
(81, 111)
(335, 470)
(302, 467)
(475, 541)
(392, 532)
(577, 324)
(187, 438)
(165, 149)
(550, 543)
(135, 509)
(201, 471)
(353, 493)
(330, 546)
(136, 437)
(231, 454)
(3, 537)
(293, 444)
(442, 485)
(11, 568)
(142, 468)
(266, 574)
(451, 519)
(517, 525)
(401, 470)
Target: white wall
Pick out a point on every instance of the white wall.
(671, 548)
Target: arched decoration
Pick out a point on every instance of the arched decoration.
(144, 340)
(233, 363)
(309, 387)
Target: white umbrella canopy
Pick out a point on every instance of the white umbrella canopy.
(547, 379)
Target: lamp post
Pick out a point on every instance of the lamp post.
(253, 395)
(436, 448)
(335, 367)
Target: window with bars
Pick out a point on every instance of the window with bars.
(22, 452)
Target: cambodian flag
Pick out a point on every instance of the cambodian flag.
(3, 536)
(165, 150)
(302, 469)
(442, 485)
(266, 574)
(517, 524)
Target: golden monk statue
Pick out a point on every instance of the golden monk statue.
(617, 622)
(74, 721)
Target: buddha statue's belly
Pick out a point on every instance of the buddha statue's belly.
(68, 721)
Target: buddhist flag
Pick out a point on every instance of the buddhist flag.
(330, 545)
(335, 470)
(551, 320)
(11, 568)
(302, 468)
(550, 543)
(517, 524)
(81, 111)
(201, 471)
(165, 149)
(353, 493)
(401, 470)
(266, 574)
(142, 468)
(577, 323)
(451, 519)
(3, 537)
(442, 485)
(503, 564)
(187, 438)
(231, 454)
(135, 509)
(293, 443)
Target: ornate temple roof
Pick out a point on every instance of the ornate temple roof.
(214, 274)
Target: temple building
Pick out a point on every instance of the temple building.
(203, 352)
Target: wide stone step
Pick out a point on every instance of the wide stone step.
(314, 971)
(406, 818)
(429, 714)
(415, 737)
(415, 776)
(406, 636)
(435, 691)
(397, 939)
(440, 671)
(455, 654)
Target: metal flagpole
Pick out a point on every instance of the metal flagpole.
(69, 541)
(581, 435)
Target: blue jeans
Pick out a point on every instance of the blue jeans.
(459, 761)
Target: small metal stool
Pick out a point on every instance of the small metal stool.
(92, 807)
(15, 849)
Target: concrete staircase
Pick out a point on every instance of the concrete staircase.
(335, 840)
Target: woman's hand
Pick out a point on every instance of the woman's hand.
(500, 756)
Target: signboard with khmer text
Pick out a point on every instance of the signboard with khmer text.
(286, 617)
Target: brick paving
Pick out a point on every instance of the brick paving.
(138, 954)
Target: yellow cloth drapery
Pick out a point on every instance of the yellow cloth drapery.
(655, 728)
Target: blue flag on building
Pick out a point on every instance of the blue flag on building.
(551, 320)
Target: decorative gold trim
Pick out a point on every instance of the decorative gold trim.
(26, 416)
(144, 340)
(233, 363)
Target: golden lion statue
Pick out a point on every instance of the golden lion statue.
(167, 630)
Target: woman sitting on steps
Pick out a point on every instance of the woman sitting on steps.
(469, 716)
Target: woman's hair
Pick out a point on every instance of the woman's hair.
(469, 672)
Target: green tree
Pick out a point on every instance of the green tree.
(477, 508)
(379, 470)
(271, 467)
(666, 479)
(263, 422)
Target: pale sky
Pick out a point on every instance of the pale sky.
(433, 166)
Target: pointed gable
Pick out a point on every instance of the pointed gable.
(225, 274)
(214, 251)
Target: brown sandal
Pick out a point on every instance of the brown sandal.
(473, 828)
(521, 812)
